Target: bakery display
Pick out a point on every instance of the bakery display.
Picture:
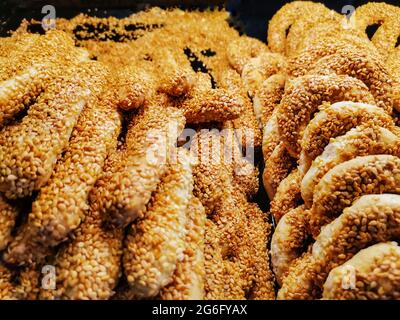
(165, 155)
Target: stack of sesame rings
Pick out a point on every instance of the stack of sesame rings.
(336, 208)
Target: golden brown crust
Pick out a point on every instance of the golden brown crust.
(202, 106)
(129, 184)
(287, 16)
(6, 285)
(287, 196)
(22, 284)
(371, 219)
(303, 27)
(189, 277)
(245, 174)
(387, 17)
(335, 120)
(360, 141)
(88, 266)
(277, 168)
(246, 124)
(349, 180)
(235, 250)
(66, 193)
(259, 234)
(268, 97)
(348, 60)
(260, 68)
(241, 50)
(8, 215)
(45, 131)
(305, 94)
(156, 243)
(271, 136)
(32, 63)
(298, 284)
(340, 33)
(372, 274)
(289, 241)
(210, 176)
(215, 284)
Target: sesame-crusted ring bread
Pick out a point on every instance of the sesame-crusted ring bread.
(29, 148)
(203, 104)
(385, 38)
(189, 276)
(243, 171)
(215, 279)
(268, 96)
(393, 65)
(297, 285)
(176, 77)
(372, 274)
(288, 241)
(383, 15)
(31, 66)
(242, 232)
(128, 186)
(236, 237)
(88, 265)
(28, 284)
(156, 243)
(13, 45)
(8, 216)
(325, 46)
(287, 197)
(331, 31)
(277, 167)
(375, 12)
(270, 135)
(301, 28)
(371, 219)
(287, 16)
(303, 96)
(243, 235)
(360, 141)
(335, 120)
(379, 212)
(62, 203)
(353, 58)
(243, 49)
(258, 69)
(165, 82)
(363, 66)
(258, 261)
(19, 284)
(246, 124)
(210, 175)
(347, 181)
(6, 285)
(221, 168)
(130, 90)
(230, 217)
(192, 93)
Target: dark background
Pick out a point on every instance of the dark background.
(251, 16)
